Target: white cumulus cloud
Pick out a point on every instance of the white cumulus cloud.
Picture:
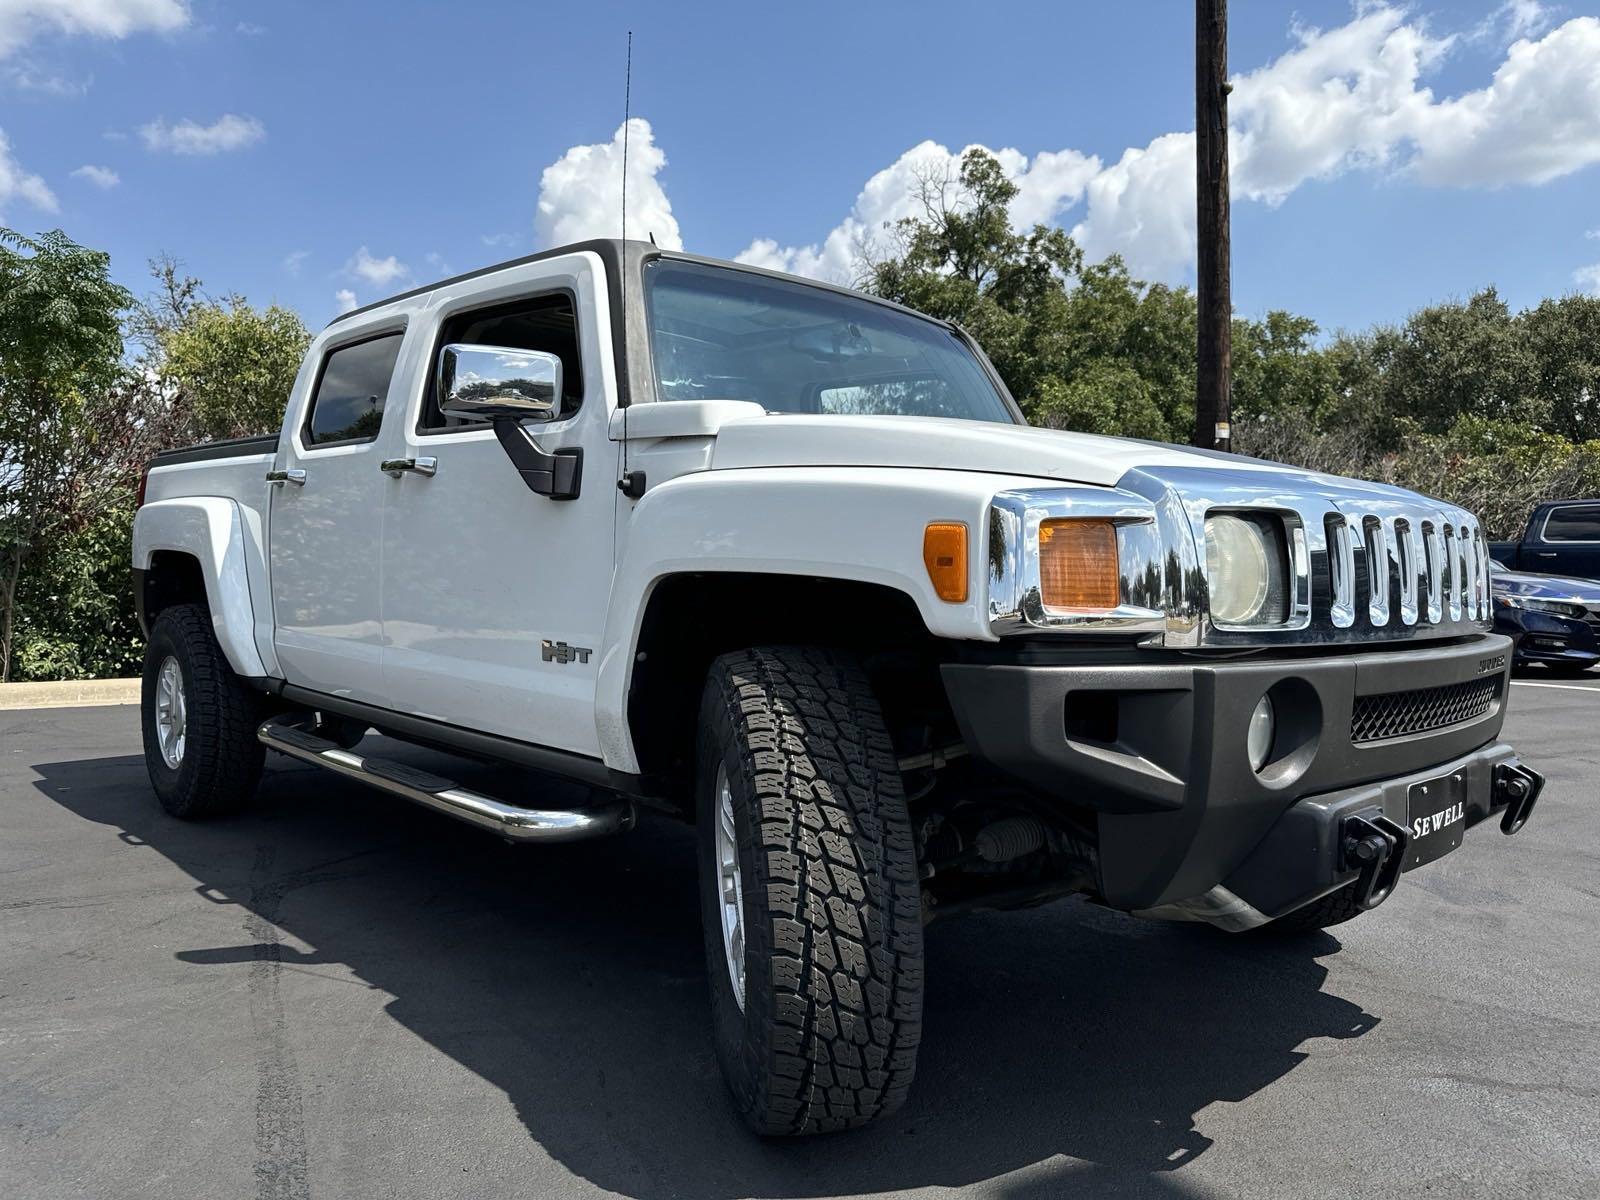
(19, 184)
(1514, 20)
(101, 177)
(23, 20)
(1539, 118)
(379, 272)
(580, 194)
(1047, 184)
(1588, 277)
(1353, 97)
(227, 132)
(29, 77)
(345, 299)
(294, 260)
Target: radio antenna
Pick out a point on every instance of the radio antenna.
(627, 112)
(631, 483)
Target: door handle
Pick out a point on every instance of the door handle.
(293, 475)
(1545, 553)
(422, 466)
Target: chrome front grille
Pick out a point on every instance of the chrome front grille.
(1403, 571)
(1395, 714)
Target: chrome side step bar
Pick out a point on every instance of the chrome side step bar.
(436, 792)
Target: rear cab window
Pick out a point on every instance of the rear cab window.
(1572, 523)
(352, 389)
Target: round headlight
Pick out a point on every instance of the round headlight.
(1238, 569)
(1258, 738)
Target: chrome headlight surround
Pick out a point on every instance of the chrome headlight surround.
(1016, 603)
(1367, 563)
(1250, 575)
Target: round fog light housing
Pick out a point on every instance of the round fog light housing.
(1259, 735)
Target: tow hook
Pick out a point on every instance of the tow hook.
(1518, 788)
(1375, 846)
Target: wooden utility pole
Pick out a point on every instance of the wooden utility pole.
(1214, 365)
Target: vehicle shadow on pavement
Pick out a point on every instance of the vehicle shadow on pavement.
(572, 978)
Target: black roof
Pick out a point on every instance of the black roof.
(612, 251)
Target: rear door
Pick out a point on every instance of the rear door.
(326, 530)
(1566, 541)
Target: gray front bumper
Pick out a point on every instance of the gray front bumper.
(1178, 807)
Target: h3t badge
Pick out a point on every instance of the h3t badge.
(560, 652)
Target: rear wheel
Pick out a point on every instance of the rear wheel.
(810, 896)
(199, 719)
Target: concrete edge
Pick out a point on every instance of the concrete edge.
(69, 693)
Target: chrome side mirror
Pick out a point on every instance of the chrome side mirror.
(482, 383)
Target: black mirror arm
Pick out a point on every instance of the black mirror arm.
(555, 475)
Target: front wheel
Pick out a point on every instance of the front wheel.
(810, 897)
(1333, 909)
(199, 719)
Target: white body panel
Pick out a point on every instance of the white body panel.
(242, 481)
(213, 530)
(478, 570)
(326, 536)
(793, 440)
(857, 524)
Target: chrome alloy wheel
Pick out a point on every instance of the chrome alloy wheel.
(172, 713)
(730, 887)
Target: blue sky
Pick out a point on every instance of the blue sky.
(318, 153)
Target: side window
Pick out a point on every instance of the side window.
(547, 323)
(1573, 524)
(348, 403)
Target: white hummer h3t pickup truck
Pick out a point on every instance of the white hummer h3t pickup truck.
(786, 561)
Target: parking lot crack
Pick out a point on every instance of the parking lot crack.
(280, 1168)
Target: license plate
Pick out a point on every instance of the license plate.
(1438, 818)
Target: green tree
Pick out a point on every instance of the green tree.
(1454, 360)
(60, 346)
(1563, 339)
(1278, 368)
(233, 365)
(1081, 346)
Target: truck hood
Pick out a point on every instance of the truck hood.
(789, 440)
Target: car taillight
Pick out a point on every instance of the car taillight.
(138, 496)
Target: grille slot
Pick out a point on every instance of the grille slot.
(1396, 714)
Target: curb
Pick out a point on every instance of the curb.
(69, 693)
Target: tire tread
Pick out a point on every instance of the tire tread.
(836, 863)
(222, 756)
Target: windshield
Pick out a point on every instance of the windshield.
(720, 334)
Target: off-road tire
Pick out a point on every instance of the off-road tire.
(1333, 909)
(828, 1035)
(222, 759)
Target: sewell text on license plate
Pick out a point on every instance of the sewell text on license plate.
(1438, 817)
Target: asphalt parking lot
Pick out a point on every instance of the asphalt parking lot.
(340, 995)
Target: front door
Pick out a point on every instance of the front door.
(494, 597)
(327, 521)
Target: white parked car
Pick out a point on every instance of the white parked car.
(786, 561)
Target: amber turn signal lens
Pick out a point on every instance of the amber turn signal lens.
(944, 553)
(1078, 565)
